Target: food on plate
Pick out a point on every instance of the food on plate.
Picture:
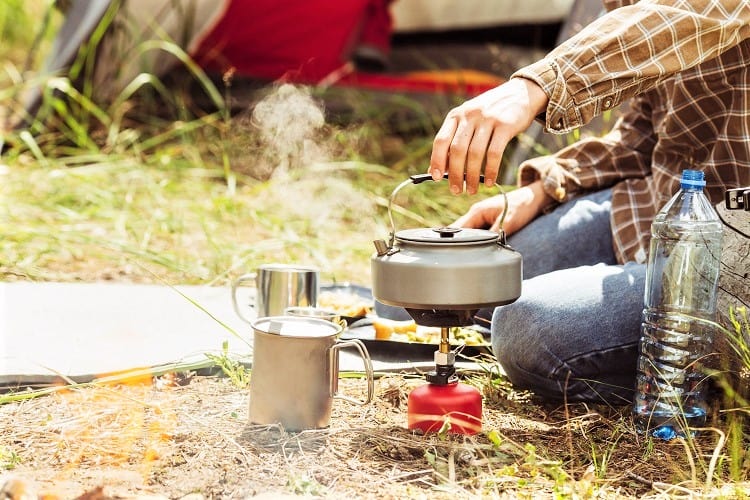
(385, 328)
(467, 336)
(345, 304)
(409, 331)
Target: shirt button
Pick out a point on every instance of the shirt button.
(607, 102)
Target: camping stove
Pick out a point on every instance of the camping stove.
(445, 357)
(444, 403)
(442, 277)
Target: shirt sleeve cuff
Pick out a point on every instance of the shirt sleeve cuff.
(561, 115)
(556, 183)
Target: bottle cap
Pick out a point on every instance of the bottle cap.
(692, 179)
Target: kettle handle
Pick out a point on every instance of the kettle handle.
(418, 179)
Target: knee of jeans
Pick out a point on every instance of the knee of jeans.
(523, 356)
(531, 364)
(528, 376)
(555, 380)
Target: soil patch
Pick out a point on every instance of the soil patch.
(188, 436)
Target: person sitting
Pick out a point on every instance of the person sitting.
(581, 217)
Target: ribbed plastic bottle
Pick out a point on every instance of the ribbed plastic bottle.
(681, 291)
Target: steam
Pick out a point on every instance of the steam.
(289, 119)
(297, 149)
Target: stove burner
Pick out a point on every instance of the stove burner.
(442, 317)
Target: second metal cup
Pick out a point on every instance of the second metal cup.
(316, 312)
(278, 286)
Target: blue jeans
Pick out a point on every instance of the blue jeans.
(573, 334)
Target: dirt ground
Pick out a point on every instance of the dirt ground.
(187, 436)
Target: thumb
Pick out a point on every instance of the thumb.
(460, 222)
(469, 220)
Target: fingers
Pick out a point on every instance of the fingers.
(461, 147)
(457, 155)
(474, 219)
(495, 151)
(464, 221)
(470, 152)
(496, 225)
(482, 214)
(441, 148)
(475, 157)
(475, 134)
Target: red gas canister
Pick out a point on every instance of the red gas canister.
(432, 405)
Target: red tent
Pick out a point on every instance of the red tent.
(317, 42)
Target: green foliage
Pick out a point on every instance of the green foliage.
(13, 22)
(739, 337)
(736, 394)
(236, 371)
(602, 452)
(9, 459)
(305, 485)
(26, 31)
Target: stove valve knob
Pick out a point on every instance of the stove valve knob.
(445, 358)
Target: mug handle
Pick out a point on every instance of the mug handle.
(356, 343)
(342, 323)
(235, 285)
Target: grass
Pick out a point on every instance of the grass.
(98, 191)
(220, 197)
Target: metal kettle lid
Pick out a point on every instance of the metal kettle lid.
(447, 236)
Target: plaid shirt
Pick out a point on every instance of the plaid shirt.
(685, 64)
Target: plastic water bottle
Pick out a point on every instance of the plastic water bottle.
(682, 277)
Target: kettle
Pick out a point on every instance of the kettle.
(443, 275)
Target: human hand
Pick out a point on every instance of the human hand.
(477, 132)
(524, 205)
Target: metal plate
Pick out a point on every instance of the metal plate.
(411, 351)
(350, 289)
(361, 328)
(380, 309)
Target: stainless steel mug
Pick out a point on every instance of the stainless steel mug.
(295, 371)
(277, 286)
(315, 312)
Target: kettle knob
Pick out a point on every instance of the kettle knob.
(447, 232)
